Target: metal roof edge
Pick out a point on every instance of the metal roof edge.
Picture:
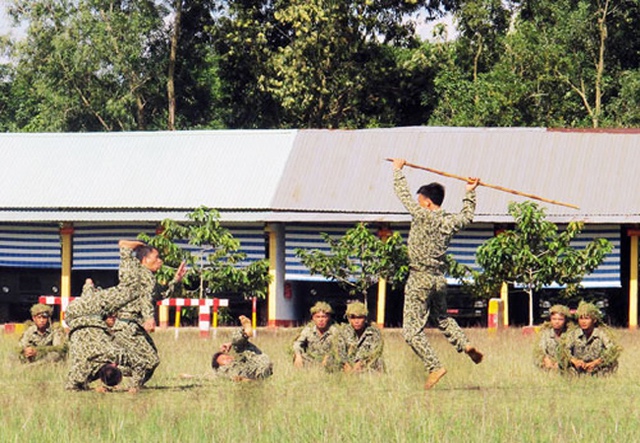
(120, 134)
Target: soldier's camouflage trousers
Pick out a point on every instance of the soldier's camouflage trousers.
(89, 349)
(138, 344)
(425, 299)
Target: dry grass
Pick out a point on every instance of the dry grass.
(505, 399)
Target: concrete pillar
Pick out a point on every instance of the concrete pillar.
(382, 301)
(66, 240)
(633, 279)
(504, 296)
(280, 309)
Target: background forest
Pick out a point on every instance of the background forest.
(125, 65)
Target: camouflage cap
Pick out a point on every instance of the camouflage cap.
(560, 309)
(321, 306)
(357, 309)
(588, 310)
(41, 309)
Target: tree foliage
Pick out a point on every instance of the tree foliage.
(213, 255)
(87, 64)
(557, 64)
(358, 260)
(109, 65)
(532, 255)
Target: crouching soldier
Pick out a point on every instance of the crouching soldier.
(91, 344)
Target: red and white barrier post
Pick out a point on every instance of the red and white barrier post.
(204, 312)
(204, 321)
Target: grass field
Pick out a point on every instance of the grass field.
(504, 399)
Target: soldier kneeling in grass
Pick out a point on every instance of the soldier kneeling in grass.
(241, 360)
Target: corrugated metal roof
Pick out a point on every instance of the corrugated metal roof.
(224, 169)
(347, 171)
(312, 175)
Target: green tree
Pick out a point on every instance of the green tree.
(320, 63)
(532, 255)
(6, 104)
(358, 260)
(586, 45)
(244, 39)
(467, 96)
(624, 109)
(193, 74)
(217, 263)
(557, 64)
(88, 64)
(341, 63)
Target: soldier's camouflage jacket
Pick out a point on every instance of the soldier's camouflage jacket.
(312, 345)
(50, 345)
(349, 348)
(551, 346)
(90, 343)
(249, 361)
(431, 231)
(599, 345)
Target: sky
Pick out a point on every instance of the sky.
(5, 23)
(424, 29)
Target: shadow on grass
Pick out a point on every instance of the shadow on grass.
(174, 387)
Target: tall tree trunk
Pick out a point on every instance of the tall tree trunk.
(171, 90)
(602, 29)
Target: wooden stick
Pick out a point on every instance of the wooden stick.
(481, 183)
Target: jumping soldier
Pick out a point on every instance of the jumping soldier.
(425, 292)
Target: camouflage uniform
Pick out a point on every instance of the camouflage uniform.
(249, 362)
(599, 345)
(51, 346)
(129, 331)
(312, 345)
(551, 346)
(351, 349)
(425, 291)
(90, 344)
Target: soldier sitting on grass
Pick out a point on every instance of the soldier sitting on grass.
(241, 360)
(313, 343)
(42, 341)
(591, 347)
(358, 345)
(550, 352)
